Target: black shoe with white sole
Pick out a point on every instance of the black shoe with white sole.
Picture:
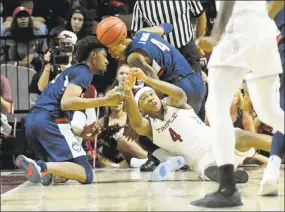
(211, 172)
(219, 200)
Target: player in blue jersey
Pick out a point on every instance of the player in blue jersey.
(160, 60)
(48, 127)
(268, 184)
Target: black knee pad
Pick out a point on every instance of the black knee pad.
(83, 161)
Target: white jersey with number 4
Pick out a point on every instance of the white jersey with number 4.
(182, 132)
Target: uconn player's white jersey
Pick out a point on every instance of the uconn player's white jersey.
(181, 132)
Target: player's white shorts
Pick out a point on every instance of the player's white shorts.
(249, 42)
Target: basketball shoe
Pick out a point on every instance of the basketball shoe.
(271, 174)
(32, 170)
(162, 171)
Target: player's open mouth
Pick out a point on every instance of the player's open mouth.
(153, 104)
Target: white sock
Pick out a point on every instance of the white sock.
(274, 160)
(136, 162)
(162, 154)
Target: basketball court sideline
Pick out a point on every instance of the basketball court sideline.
(128, 189)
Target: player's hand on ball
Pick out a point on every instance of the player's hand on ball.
(130, 82)
(91, 131)
(138, 73)
(206, 43)
(115, 97)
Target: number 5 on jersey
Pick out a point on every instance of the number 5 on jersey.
(174, 135)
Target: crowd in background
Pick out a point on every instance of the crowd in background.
(34, 34)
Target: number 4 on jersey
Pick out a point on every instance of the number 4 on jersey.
(174, 135)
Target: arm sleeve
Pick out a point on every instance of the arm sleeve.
(196, 8)
(137, 20)
(81, 76)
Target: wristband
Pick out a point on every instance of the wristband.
(167, 28)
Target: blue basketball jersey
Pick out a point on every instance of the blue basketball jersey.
(50, 98)
(167, 61)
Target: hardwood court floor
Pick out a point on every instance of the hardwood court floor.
(123, 190)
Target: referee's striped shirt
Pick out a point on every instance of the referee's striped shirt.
(176, 12)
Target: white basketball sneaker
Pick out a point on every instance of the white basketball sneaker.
(271, 174)
(162, 171)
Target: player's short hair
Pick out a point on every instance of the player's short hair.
(86, 46)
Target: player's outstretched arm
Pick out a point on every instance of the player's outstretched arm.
(71, 99)
(177, 97)
(136, 59)
(162, 29)
(140, 124)
(274, 7)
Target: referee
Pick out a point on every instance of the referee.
(149, 13)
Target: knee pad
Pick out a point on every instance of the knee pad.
(83, 161)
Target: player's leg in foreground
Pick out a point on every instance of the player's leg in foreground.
(268, 184)
(223, 83)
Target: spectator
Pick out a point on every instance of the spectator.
(113, 143)
(78, 22)
(121, 76)
(66, 42)
(241, 112)
(6, 105)
(6, 100)
(24, 47)
(38, 22)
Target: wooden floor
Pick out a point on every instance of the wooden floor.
(123, 190)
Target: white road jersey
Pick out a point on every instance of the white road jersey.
(250, 6)
(182, 133)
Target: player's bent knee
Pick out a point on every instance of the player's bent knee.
(89, 175)
(83, 161)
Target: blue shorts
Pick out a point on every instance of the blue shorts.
(194, 88)
(51, 138)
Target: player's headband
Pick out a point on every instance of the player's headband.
(140, 92)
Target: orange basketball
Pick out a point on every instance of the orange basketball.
(111, 31)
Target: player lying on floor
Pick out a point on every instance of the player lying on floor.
(48, 128)
(174, 126)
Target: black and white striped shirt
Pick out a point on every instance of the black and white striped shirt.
(176, 12)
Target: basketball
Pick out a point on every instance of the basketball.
(111, 31)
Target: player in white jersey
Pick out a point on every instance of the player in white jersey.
(174, 126)
(246, 48)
